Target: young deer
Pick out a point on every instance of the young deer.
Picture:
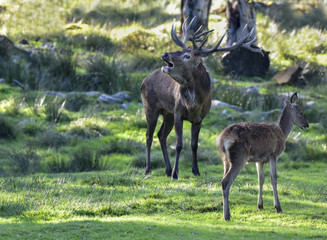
(181, 91)
(260, 143)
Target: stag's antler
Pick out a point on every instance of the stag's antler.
(197, 38)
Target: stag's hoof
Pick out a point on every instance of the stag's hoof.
(260, 207)
(147, 171)
(175, 176)
(196, 172)
(168, 172)
(227, 218)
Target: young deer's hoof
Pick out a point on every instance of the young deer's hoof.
(278, 209)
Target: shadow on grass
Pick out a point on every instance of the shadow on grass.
(146, 228)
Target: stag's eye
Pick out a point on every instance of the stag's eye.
(186, 56)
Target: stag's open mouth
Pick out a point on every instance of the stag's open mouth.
(169, 66)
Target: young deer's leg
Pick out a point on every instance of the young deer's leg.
(273, 174)
(166, 127)
(151, 125)
(261, 180)
(236, 163)
(194, 145)
(179, 143)
(226, 165)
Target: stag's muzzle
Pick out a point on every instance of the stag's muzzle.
(166, 58)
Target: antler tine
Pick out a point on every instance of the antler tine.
(241, 43)
(186, 30)
(175, 37)
(211, 50)
(248, 46)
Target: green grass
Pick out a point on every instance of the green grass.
(46, 141)
(126, 204)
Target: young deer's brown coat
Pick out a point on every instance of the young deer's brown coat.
(260, 143)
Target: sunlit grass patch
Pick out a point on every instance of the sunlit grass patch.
(86, 127)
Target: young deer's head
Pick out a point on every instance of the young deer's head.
(182, 64)
(297, 116)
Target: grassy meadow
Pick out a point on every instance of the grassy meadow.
(73, 168)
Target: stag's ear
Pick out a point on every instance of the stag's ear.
(294, 98)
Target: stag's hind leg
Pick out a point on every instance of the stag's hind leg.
(196, 127)
(151, 119)
(166, 127)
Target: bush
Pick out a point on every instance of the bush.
(53, 109)
(88, 128)
(103, 74)
(7, 129)
(23, 161)
(52, 139)
(83, 158)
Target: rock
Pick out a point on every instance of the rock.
(54, 93)
(217, 103)
(116, 98)
(126, 105)
(310, 103)
(122, 96)
(2, 81)
(88, 93)
(289, 76)
(104, 98)
(252, 90)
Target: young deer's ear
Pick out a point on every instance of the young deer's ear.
(286, 101)
(294, 98)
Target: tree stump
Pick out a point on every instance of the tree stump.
(196, 8)
(242, 61)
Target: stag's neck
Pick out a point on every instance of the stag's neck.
(285, 121)
(199, 88)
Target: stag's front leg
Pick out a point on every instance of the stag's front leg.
(194, 145)
(273, 174)
(164, 131)
(179, 144)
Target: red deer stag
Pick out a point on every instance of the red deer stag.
(181, 91)
(260, 143)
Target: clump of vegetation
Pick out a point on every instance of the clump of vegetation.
(103, 74)
(20, 162)
(83, 158)
(7, 128)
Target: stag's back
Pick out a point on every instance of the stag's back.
(258, 141)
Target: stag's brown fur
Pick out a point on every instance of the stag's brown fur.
(187, 98)
(181, 91)
(260, 143)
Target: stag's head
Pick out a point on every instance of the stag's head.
(181, 64)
